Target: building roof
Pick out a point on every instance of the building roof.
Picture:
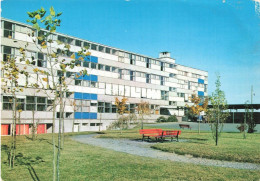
(241, 106)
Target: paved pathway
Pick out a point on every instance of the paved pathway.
(143, 149)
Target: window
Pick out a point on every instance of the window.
(114, 108)
(172, 89)
(86, 45)
(93, 104)
(101, 107)
(164, 95)
(62, 39)
(78, 43)
(41, 62)
(114, 52)
(78, 63)
(132, 108)
(8, 29)
(120, 72)
(114, 69)
(7, 53)
(180, 94)
(41, 103)
(148, 78)
(7, 103)
(107, 107)
(86, 64)
(172, 75)
(93, 65)
(100, 67)
(172, 66)
(162, 66)
(84, 124)
(93, 84)
(30, 103)
(108, 50)
(172, 103)
(132, 59)
(78, 82)
(69, 115)
(93, 47)
(101, 48)
(107, 68)
(92, 124)
(162, 80)
(132, 75)
(70, 41)
(148, 63)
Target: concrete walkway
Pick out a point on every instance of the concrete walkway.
(144, 149)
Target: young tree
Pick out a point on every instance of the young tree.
(52, 80)
(198, 107)
(10, 85)
(121, 110)
(143, 108)
(219, 113)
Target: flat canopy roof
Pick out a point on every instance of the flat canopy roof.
(241, 106)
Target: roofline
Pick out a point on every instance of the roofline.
(27, 25)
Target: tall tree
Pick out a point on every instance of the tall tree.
(218, 114)
(198, 106)
(52, 79)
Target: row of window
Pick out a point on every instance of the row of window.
(10, 28)
(30, 103)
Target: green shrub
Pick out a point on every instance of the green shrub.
(172, 118)
(161, 119)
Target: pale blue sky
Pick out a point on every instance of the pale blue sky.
(204, 34)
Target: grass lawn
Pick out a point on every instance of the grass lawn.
(232, 146)
(85, 162)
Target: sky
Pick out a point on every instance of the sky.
(219, 36)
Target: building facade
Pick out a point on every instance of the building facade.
(112, 73)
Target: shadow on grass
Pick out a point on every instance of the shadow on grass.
(20, 159)
(28, 161)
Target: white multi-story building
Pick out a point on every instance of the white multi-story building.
(113, 73)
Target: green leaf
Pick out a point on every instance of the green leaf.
(59, 14)
(28, 21)
(52, 11)
(38, 16)
(36, 26)
(53, 29)
(42, 10)
(30, 14)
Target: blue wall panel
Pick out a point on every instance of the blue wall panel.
(86, 96)
(200, 93)
(78, 95)
(92, 78)
(200, 81)
(78, 115)
(88, 58)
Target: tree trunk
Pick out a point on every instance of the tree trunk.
(53, 139)
(59, 134)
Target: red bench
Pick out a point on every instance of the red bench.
(159, 134)
(171, 134)
(151, 133)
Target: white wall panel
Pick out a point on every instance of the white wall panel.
(121, 90)
(127, 91)
(108, 89)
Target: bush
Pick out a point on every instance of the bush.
(161, 119)
(172, 118)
